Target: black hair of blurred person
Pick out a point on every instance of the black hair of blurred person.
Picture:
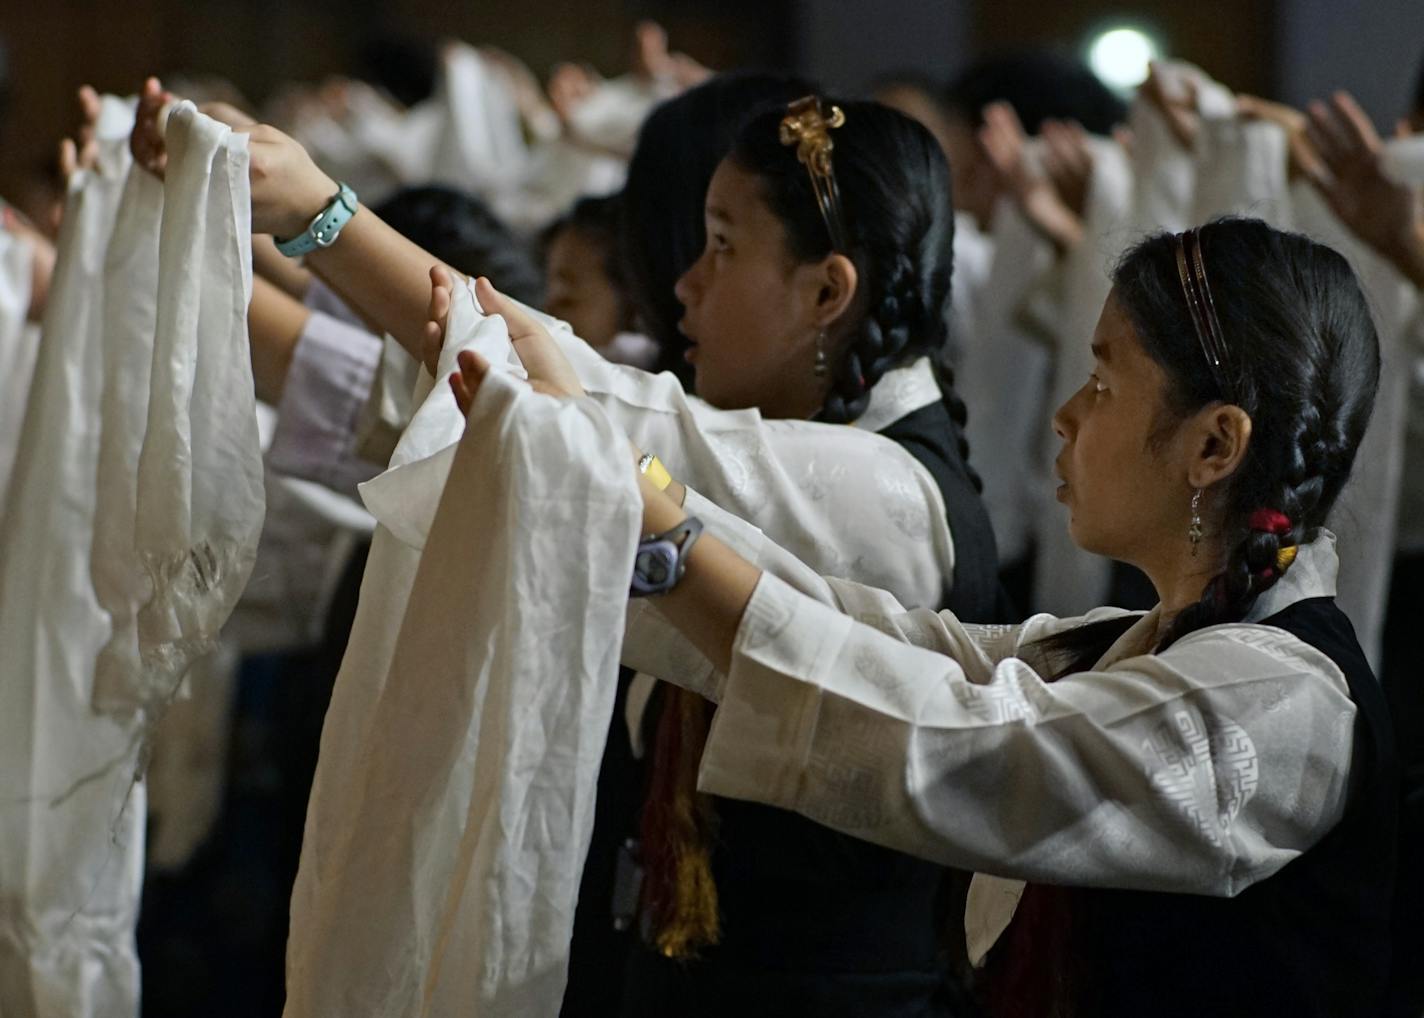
(406, 67)
(598, 217)
(662, 231)
(462, 232)
(1040, 85)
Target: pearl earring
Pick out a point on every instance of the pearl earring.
(823, 367)
(1194, 532)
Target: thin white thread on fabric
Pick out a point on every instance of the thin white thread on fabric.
(418, 893)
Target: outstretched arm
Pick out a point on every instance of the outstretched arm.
(372, 267)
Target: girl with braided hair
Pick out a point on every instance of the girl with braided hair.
(854, 929)
(1188, 811)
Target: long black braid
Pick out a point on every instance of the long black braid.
(898, 213)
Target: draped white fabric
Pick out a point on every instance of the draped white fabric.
(454, 797)
(70, 851)
(71, 811)
(19, 342)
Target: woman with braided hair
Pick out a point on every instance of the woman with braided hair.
(1189, 811)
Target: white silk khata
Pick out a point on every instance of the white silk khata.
(71, 810)
(454, 794)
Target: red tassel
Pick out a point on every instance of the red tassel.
(1270, 521)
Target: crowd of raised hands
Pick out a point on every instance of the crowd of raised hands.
(1332, 145)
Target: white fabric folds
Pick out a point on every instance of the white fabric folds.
(200, 502)
(68, 896)
(19, 342)
(454, 793)
(119, 328)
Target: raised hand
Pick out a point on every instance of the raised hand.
(146, 141)
(1068, 162)
(1178, 106)
(1304, 160)
(288, 189)
(569, 86)
(1350, 177)
(1004, 143)
(548, 369)
(82, 151)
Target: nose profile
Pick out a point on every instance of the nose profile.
(684, 289)
(1062, 417)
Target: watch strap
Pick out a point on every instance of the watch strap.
(323, 230)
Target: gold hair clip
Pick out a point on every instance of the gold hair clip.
(809, 129)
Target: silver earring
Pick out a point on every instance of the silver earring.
(1194, 532)
(823, 367)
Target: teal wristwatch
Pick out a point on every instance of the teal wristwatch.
(324, 228)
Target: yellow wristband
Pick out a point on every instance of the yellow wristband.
(657, 473)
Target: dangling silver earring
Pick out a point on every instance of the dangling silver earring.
(1194, 532)
(823, 367)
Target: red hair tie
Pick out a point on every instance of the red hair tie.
(1270, 521)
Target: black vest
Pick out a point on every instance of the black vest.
(1311, 940)
(816, 923)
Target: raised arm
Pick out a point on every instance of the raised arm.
(373, 268)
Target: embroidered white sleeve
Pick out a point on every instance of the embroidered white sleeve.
(1202, 769)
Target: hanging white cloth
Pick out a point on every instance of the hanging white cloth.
(1003, 374)
(441, 864)
(19, 342)
(130, 304)
(479, 147)
(200, 497)
(71, 843)
(71, 810)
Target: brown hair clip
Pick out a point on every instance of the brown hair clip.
(809, 129)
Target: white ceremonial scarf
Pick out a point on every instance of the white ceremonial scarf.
(71, 812)
(454, 793)
(480, 146)
(19, 342)
(71, 854)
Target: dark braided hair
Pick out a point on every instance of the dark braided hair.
(898, 215)
(1304, 365)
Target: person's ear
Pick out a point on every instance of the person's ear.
(1218, 440)
(836, 281)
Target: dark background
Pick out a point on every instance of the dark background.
(1290, 49)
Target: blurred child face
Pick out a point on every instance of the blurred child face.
(579, 290)
(750, 307)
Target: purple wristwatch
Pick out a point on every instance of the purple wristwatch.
(662, 558)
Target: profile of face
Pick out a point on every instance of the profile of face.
(579, 289)
(1125, 481)
(751, 312)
